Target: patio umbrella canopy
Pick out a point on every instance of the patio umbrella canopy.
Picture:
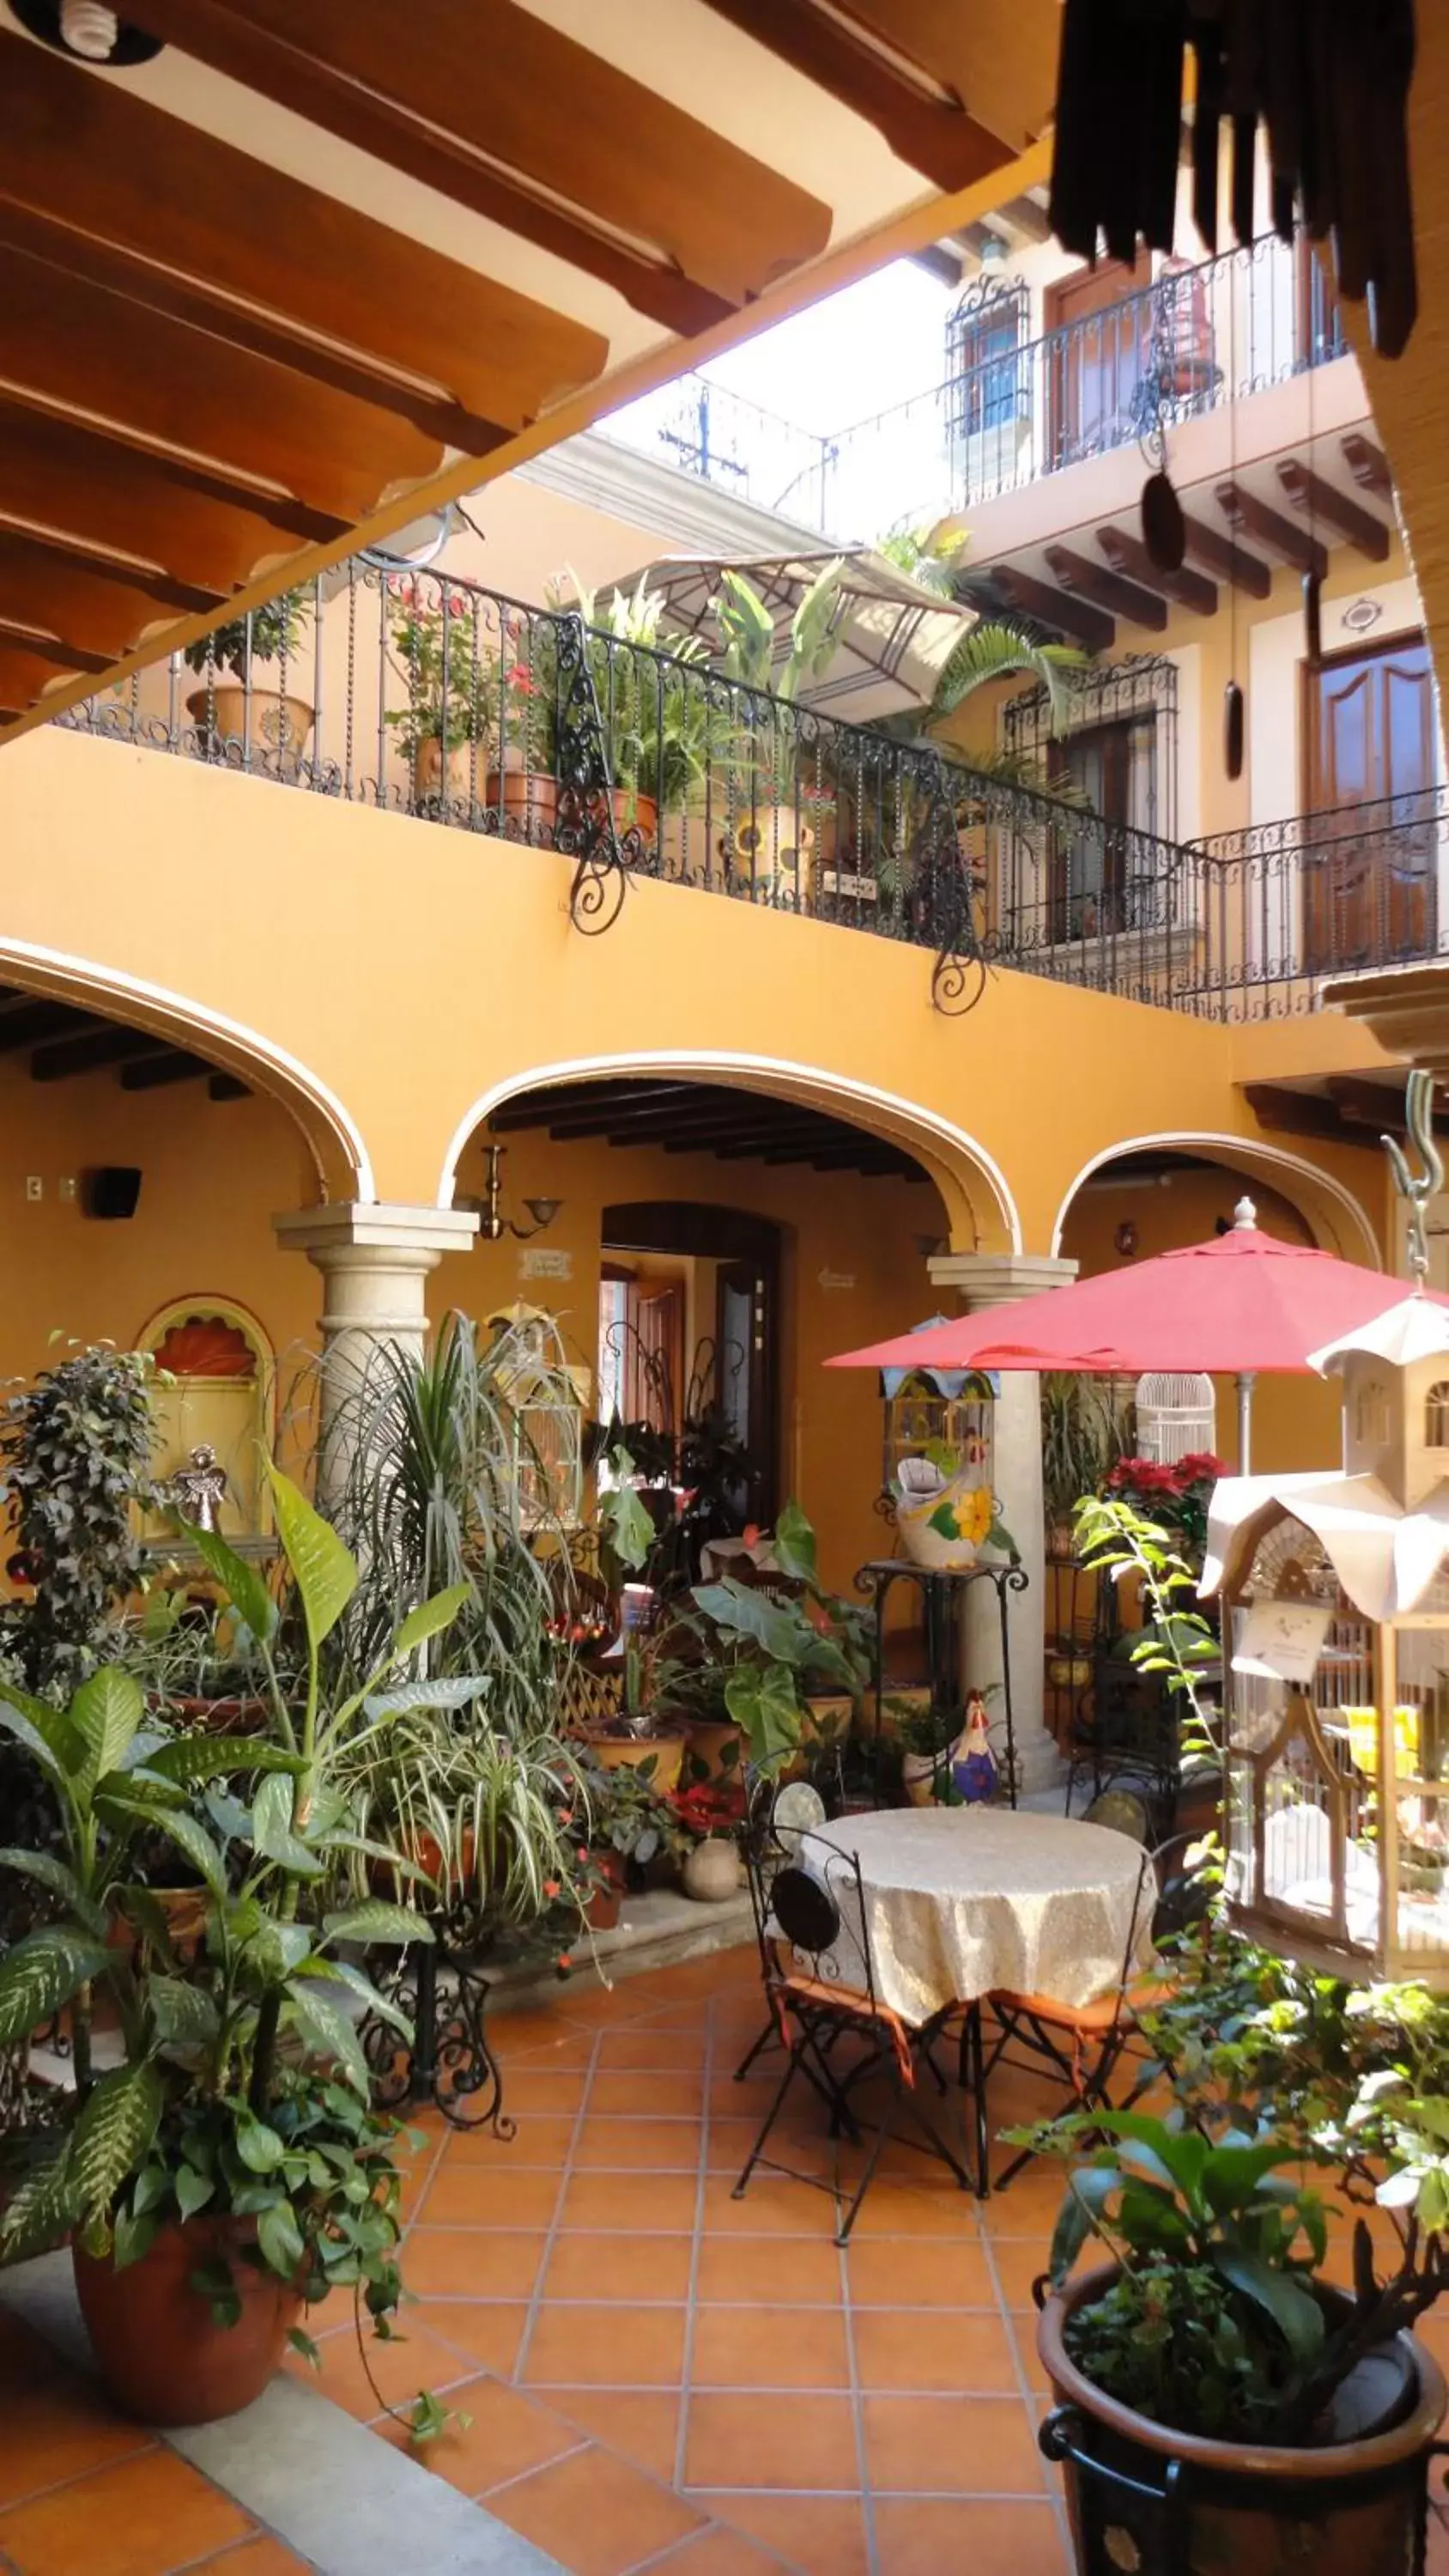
(1240, 1306)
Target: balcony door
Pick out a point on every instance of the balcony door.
(1095, 356)
(1371, 737)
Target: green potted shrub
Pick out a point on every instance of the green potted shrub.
(227, 2172)
(244, 717)
(1079, 1445)
(796, 1669)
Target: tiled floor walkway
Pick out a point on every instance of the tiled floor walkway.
(659, 2375)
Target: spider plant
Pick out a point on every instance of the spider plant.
(495, 1820)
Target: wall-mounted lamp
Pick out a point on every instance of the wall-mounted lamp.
(492, 1223)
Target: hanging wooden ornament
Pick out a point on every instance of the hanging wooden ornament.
(1313, 617)
(1234, 714)
(1164, 529)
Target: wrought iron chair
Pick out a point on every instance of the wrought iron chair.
(1082, 2046)
(815, 1952)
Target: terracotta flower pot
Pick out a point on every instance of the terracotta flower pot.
(526, 802)
(607, 1902)
(221, 1716)
(711, 1872)
(709, 1739)
(256, 724)
(159, 2351)
(437, 781)
(1339, 2508)
(185, 1912)
(613, 1752)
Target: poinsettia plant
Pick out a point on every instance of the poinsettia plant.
(1175, 1493)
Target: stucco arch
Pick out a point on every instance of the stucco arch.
(334, 1142)
(1338, 1221)
(979, 1204)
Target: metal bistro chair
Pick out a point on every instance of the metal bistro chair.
(814, 1938)
(1081, 2047)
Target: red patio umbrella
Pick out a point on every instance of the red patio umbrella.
(1236, 1307)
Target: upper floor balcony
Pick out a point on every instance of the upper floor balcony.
(429, 696)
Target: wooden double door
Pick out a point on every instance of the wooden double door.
(1370, 845)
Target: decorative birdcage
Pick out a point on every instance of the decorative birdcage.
(1336, 1600)
(1176, 1416)
(943, 1414)
(547, 1399)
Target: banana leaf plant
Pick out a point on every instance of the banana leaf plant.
(775, 1648)
(242, 2089)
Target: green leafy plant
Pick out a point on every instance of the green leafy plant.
(271, 633)
(75, 1454)
(771, 1649)
(1080, 1441)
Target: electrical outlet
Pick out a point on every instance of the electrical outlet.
(34, 1186)
(66, 1186)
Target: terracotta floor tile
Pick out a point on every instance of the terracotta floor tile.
(896, 2206)
(1021, 2326)
(1019, 2262)
(135, 2519)
(485, 2195)
(59, 2430)
(538, 2086)
(654, 2094)
(488, 2330)
(641, 2424)
(822, 2535)
(606, 2347)
(804, 2140)
(720, 2553)
(508, 2436)
(762, 2347)
(800, 2271)
(1029, 2205)
(477, 2265)
(652, 2146)
(646, 2203)
(918, 2537)
(952, 2446)
(402, 2366)
(618, 2266)
(596, 2514)
(795, 2442)
(917, 2272)
(770, 2207)
(953, 2350)
(544, 2138)
(259, 2558)
(665, 2051)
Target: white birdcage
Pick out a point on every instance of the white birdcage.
(1176, 1416)
(547, 1399)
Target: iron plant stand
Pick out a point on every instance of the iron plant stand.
(449, 2061)
(942, 1589)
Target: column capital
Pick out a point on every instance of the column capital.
(998, 1278)
(404, 1237)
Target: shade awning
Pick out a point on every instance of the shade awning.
(284, 273)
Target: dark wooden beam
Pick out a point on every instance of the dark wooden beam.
(1323, 502)
(1107, 590)
(1247, 573)
(99, 609)
(156, 1071)
(934, 136)
(938, 263)
(1025, 216)
(1073, 617)
(56, 559)
(228, 1086)
(1249, 516)
(1375, 1106)
(1127, 555)
(682, 222)
(1296, 1113)
(1368, 465)
(17, 638)
(976, 239)
(586, 1100)
(27, 1022)
(102, 1046)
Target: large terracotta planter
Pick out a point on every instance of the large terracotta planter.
(440, 779)
(526, 801)
(709, 1739)
(613, 1752)
(259, 726)
(1344, 2508)
(185, 1911)
(159, 2351)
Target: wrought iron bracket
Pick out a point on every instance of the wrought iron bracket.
(448, 2061)
(585, 825)
(944, 879)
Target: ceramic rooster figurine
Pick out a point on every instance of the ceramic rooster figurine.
(973, 1764)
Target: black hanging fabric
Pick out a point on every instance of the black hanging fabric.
(1327, 82)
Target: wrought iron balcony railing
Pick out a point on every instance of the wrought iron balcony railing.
(1013, 409)
(431, 697)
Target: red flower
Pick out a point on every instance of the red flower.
(750, 1534)
(551, 1888)
(564, 1967)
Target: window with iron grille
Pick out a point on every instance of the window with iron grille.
(986, 384)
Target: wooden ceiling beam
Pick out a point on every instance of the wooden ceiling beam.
(976, 239)
(531, 129)
(158, 1072)
(97, 605)
(32, 1021)
(227, 1086)
(1107, 590)
(1025, 216)
(1369, 466)
(1072, 617)
(1281, 1112)
(49, 648)
(86, 1054)
(586, 1105)
(938, 263)
(932, 134)
(85, 349)
(1376, 1106)
(1314, 499)
(1127, 555)
(1247, 573)
(1248, 516)
(106, 162)
(24, 675)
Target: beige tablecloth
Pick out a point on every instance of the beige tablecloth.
(964, 1901)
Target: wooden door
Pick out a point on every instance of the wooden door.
(745, 1378)
(1371, 741)
(1088, 859)
(1101, 325)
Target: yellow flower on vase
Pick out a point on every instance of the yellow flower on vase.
(974, 1514)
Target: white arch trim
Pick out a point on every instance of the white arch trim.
(104, 981)
(1246, 1148)
(763, 1069)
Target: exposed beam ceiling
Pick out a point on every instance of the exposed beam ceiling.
(1208, 546)
(1369, 466)
(703, 1118)
(1129, 556)
(67, 1043)
(1322, 503)
(1076, 618)
(1251, 517)
(1087, 580)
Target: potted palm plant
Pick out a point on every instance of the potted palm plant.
(243, 718)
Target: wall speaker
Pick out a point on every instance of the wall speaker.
(111, 1191)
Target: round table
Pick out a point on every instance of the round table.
(962, 1902)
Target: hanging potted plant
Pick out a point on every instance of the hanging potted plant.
(243, 719)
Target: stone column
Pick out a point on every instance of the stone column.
(993, 1279)
(375, 1262)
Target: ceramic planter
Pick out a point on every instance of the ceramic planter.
(185, 1911)
(958, 1503)
(616, 1752)
(711, 1872)
(607, 1902)
(1341, 2508)
(159, 2351)
(709, 1739)
(919, 1774)
(256, 724)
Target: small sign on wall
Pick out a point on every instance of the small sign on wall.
(545, 1261)
(832, 1279)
